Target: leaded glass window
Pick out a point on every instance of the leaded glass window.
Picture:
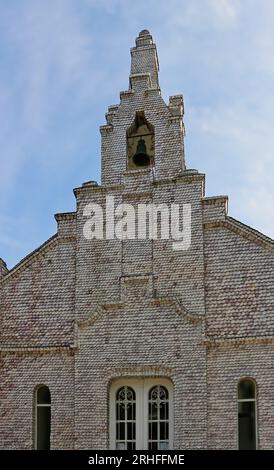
(158, 418)
(125, 418)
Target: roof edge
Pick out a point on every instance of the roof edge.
(253, 231)
(243, 230)
(27, 258)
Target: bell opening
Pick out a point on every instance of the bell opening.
(140, 143)
(141, 159)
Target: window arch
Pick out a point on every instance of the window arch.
(247, 425)
(42, 417)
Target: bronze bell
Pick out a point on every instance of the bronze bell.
(141, 158)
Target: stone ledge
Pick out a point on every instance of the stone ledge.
(37, 350)
(106, 129)
(216, 342)
(65, 216)
(93, 188)
(126, 94)
(176, 118)
(215, 200)
(156, 90)
(184, 177)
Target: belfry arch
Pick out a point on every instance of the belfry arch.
(140, 143)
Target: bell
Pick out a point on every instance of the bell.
(141, 158)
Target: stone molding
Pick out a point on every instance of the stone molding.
(101, 310)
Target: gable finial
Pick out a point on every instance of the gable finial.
(144, 58)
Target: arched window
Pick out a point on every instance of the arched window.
(247, 432)
(125, 418)
(42, 418)
(158, 418)
(141, 414)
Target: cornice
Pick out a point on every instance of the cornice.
(98, 189)
(185, 177)
(216, 200)
(65, 216)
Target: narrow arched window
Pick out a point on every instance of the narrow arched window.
(42, 418)
(158, 418)
(247, 432)
(125, 419)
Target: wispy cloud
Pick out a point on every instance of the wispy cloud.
(226, 11)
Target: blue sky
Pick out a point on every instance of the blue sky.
(64, 61)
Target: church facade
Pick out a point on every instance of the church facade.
(129, 343)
